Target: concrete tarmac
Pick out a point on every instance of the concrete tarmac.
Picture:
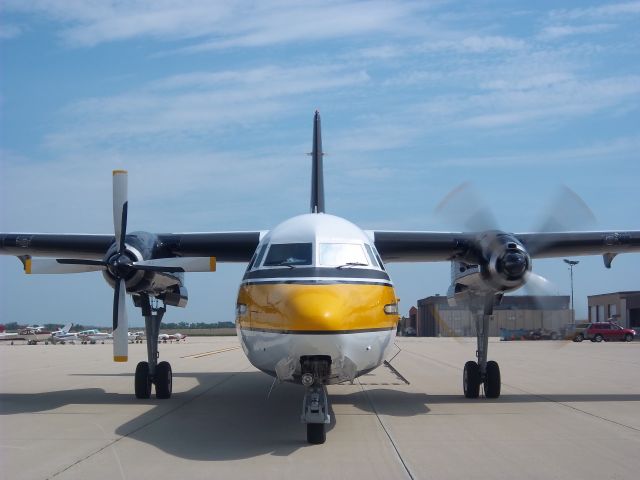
(567, 411)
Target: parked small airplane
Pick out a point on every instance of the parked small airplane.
(170, 337)
(316, 305)
(64, 335)
(32, 330)
(93, 336)
(9, 337)
(135, 337)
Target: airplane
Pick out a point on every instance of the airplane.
(63, 335)
(167, 337)
(93, 336)
(134, 337)
(316, 305)
(32, 330)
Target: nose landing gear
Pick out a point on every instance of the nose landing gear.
(315, 404)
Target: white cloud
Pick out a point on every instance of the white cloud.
(620, 10)
(599, 152)
(223, 23)
(191, 104)
(559, 31)
(474, 44)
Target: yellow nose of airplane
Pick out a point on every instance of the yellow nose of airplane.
(339, 308)
(316, 308)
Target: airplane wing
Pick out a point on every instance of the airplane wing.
(403, 246)
(225, 246)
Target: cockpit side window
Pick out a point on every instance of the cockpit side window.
(251, 262)
(378, 258)
(289, 254)
(372, 257)
(257, 259)
(342, 254)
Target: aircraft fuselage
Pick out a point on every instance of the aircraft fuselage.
(316, 287)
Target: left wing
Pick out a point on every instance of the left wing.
(399, 246)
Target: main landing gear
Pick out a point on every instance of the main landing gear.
(151, 372)
(315, 405)
(483, 371)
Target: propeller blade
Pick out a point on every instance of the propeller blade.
(61, 265)
(120, 207)
(178, 264)
(120, 323)
(566, 211)
(537, 285)
(464, 208)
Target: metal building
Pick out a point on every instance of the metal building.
(436, 318)
(622, 307)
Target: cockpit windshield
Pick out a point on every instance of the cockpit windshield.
(342, 254)
(289, 254)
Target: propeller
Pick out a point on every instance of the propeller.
(465, 207)
(120, 266)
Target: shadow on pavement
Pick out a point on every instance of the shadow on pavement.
(227, 416)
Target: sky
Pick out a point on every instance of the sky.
(209, 106)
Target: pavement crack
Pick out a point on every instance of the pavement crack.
(572, 407)
(386, 431)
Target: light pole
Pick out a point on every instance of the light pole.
(572, 263)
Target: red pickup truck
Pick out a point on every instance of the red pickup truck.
(597, 332)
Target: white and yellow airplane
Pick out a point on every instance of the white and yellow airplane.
(315, 306)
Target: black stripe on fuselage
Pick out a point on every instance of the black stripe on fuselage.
(313, 272)
(316, 332)
(314, 282)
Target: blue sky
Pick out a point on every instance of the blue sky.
(209, 106)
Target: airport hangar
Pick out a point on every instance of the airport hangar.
(434, 317)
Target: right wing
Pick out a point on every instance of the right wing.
(225, 246)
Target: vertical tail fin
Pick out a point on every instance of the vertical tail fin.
(317, 175)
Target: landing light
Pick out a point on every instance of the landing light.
(391, 309)
(241, 309)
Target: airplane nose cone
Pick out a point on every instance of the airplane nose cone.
(316, 309)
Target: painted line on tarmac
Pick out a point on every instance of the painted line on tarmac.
(213, 352)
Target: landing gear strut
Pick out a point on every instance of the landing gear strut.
(483, 371)
(152, 372)
(315, 405)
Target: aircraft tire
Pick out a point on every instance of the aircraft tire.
(142, 380)
(316, 433)
(163, 380)
(492, 382)
(471, 380)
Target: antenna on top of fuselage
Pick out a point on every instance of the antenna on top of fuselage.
(317, 176)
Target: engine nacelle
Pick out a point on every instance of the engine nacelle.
(145, 246)
(505, 262)
(497, 263)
